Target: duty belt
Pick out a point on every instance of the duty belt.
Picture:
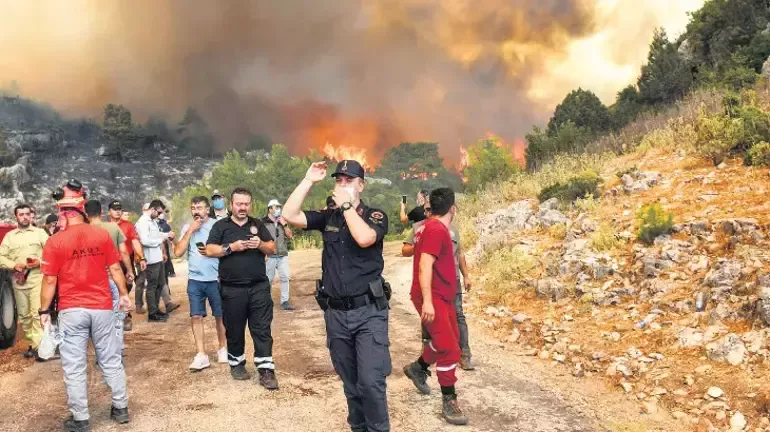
(350, 303)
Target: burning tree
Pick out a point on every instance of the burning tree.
(488, 160)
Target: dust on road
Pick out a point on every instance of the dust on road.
(505, 393)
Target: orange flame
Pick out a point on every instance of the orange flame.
(344, 152)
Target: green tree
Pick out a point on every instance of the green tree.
(119, 129)
(666, 77)
(543, 146)
(584, 109)
(488, 161)
(414, 166)
(626, 108)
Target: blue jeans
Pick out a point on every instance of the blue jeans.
(282, 265)
(198, 292)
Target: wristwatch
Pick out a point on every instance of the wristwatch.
(226, 250)
(43, 311)
(346, 206)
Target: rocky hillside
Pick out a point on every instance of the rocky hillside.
(680, 324)
(41, 151)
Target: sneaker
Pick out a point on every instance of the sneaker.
(466, 363)
(222, 355)
(267, 379)
(200, 362)
(171, 307)
(120, 415)
(452, 412)
(287, 306)
(128, 323)
(239, 373)
(140, 310)
(72, 425)
(419, 377)
(157, 318)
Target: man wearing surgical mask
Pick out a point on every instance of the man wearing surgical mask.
(279, 261)
(218, 206)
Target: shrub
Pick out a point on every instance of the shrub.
(557, 231)
(758, 155)
(580, 186)
(629, 171)
(587, 204)
(654, 222)
(489, 160)
(604, 238)
(717, 135)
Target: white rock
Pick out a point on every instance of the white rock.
(627, 387)
(520, 318)
(715, 392)
(737, 422)
(729, 349)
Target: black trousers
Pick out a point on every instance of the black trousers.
(250, 304)
(156, 278)
(359, 348)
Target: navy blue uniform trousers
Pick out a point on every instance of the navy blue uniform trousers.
(359, 348)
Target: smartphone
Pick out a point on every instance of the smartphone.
(200, 245)
(403, 199)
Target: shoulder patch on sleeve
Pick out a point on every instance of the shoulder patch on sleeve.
(377, 215)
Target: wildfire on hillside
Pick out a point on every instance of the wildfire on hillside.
(517, 148)
(344, 152)
(416, 172)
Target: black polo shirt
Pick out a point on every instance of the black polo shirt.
(240, 268)
(417, 214)
(347, 267)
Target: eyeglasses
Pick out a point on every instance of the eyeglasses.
(427, 209)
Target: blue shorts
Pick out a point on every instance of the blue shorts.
(198, 291)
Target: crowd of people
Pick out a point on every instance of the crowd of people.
(79, 269)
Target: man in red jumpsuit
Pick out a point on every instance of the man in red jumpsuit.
(433, 292)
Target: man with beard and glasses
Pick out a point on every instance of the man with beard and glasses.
(352, 292)
(202, 281)
(152, 241)
(242, 243)
(433, 293)
(20, 251)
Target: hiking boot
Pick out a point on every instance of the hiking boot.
(452, 412)
(120, 415)
(267, 379)
(222, 355)
(466, 363)
(171, 307)
(239, 373)
(140, 310)
(30, 353)
(72, 425)
(157, 318)
(128, 323)
(200, 362)
(419, 377)
(287, 306)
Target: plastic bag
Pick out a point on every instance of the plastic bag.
(51, 340)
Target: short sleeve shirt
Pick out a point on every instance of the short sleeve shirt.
(201, 268)
(240, 268)
(130, 232)
(347, 267)
(433, 238)
(116, 234)
(416, 215)
(78, 256)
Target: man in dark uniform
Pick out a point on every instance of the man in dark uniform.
(242, 242)
(352, 295)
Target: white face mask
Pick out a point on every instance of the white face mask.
(351, 191)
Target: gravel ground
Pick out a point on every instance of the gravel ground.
(506, 392)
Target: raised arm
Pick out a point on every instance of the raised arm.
(292, 210)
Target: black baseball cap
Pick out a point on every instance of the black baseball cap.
(115, 205)
(216, 193)
(52, 218)
(349, 168)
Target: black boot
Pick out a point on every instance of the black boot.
(452, 412)
(72, 425)
(120, 415)
(419, 377)
(239, 373)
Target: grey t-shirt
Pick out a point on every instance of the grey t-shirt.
(455, 236)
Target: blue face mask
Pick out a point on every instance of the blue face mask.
(277, 213)
(219, 204)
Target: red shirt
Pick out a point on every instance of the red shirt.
(78, 257)
(432, 237)
(130, 232)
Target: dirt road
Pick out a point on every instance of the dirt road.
(505, 393)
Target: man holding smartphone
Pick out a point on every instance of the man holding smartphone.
(242, 242)
(202, 281)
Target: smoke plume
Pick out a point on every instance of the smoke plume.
(365, 74)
